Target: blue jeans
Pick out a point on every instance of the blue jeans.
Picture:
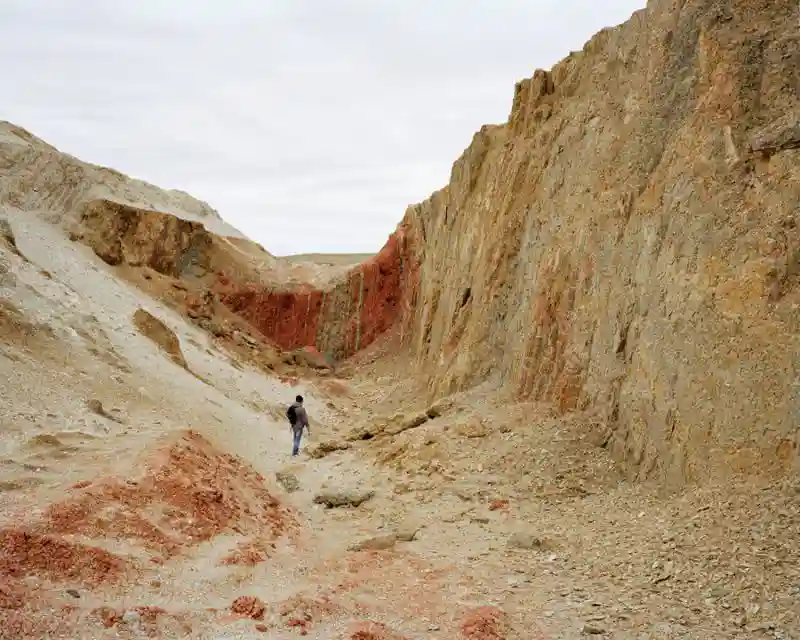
(296, 435)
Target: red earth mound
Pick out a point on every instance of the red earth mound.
(189, 493)
(25, 553)
(484, 623)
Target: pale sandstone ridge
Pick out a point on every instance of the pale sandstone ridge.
(137, 223)
(35, 176)
(627, 243)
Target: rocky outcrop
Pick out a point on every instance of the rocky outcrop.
(123, 234)
(162, 335)
(628, 242)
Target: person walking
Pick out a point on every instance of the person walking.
(298, 419)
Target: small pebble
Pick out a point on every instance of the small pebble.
(130, 617)
(592, 630)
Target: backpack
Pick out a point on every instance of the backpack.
(291, 414)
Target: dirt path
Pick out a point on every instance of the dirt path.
(139, 498)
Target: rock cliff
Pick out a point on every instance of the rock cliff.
(627, 243)
(345, 316)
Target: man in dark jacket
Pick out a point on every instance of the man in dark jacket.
(298, 419)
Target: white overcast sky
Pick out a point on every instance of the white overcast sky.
(308, 124)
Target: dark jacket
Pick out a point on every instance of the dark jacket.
(302, 417)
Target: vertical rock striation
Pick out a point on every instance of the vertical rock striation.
(628, 241)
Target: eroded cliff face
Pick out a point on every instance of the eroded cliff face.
(343, 317)
(124, 234)
(628, 243)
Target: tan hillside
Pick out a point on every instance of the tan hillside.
(560, 402)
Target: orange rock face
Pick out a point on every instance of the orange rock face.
(289, 318)
(342, 319)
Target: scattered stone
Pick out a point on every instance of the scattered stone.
(454, 517)
(473, 428)
(333, 499)
(131, 617)
(248, 606)
(324, 448)
(390, 427)
(261, 628)
(522, 540)
(439, 408)
(288, 481)
(378, 543)
(406, 533)
(465, 493)
(166, 339)
(95, 406)
(307, 357)
(593, 630)
(411, 422)
(7, 237)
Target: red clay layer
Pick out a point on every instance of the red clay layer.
(378, 290)
(289, 318)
